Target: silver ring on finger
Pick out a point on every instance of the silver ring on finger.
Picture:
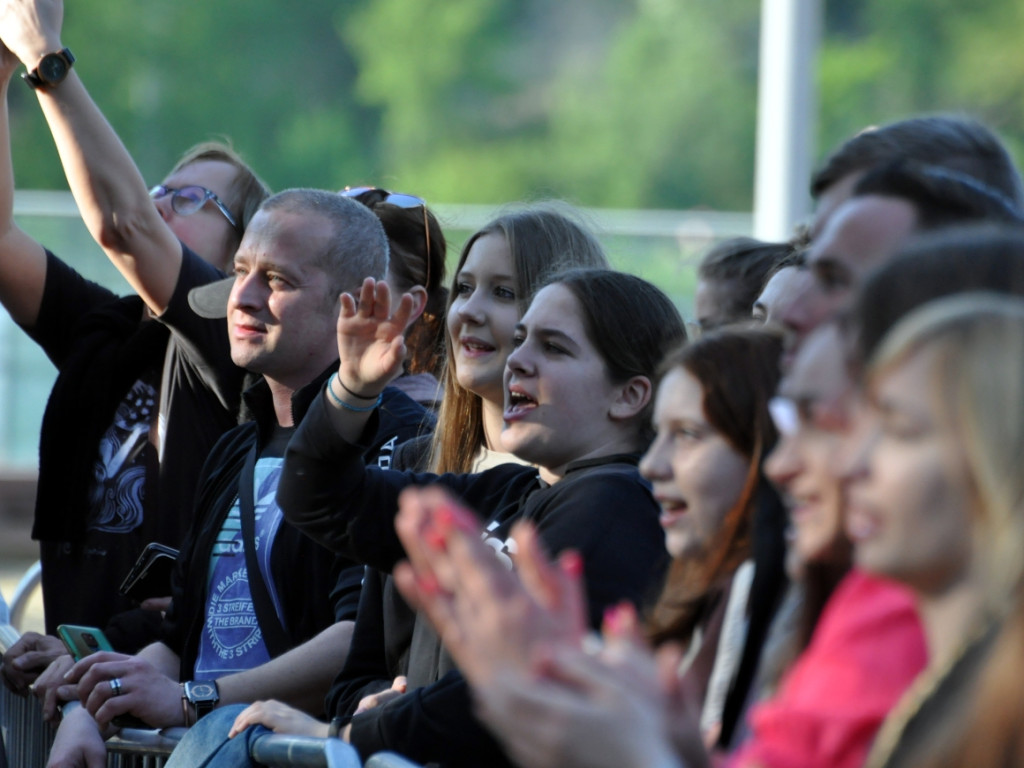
(115, 686)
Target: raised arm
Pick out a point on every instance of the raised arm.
(324, 484)
(371, 348)
(22, 259)
(111, 194)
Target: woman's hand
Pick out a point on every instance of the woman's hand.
(488, 615)
(371, 341)
(582, 709)
(280, 718)
(379, 699)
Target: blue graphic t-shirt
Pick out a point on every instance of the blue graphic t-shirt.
(231, 639)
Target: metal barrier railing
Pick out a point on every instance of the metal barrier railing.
(23, 593)
(389, 760)
(28, 739)
(303, 752)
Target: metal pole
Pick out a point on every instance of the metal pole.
(786, 115)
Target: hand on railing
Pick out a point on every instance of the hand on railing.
(52, 689)
(280, 718)
(141, 690)
(28, 658)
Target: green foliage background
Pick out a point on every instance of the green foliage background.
(648, 103)
(608, 103)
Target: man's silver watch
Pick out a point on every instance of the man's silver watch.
(202, 696)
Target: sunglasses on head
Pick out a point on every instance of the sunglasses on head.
(370, 196)
(187, 200)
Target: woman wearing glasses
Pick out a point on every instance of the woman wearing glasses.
(110, 480)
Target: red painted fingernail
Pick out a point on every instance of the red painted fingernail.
(434, 539)
(444, 517)
(572, 563)
(610, 620)
(427, 584)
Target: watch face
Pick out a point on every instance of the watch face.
(53, 68)
(202, 692)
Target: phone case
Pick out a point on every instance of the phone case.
(151, 574)
(82, 641)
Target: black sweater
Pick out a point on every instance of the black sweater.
(602, 508)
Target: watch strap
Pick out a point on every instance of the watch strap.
(201, 705)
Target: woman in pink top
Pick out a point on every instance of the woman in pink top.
(837, 693)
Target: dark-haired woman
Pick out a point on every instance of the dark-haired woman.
(578, 392)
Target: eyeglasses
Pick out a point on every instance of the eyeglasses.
(187, 200)
(822, 416)
(785, 415)
(374, 195)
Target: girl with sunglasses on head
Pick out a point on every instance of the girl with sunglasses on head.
(577, 391)
(418, 249)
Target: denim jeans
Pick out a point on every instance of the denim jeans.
(206, 744)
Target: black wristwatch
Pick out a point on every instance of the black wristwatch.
(202, 695)
(52, 69)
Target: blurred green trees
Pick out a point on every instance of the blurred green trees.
(642, 103)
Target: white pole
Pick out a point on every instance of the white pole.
(786, 115)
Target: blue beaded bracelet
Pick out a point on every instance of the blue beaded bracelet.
(348, 406)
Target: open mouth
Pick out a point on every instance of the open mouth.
(518, 403)
(671, 511)
(475, 346)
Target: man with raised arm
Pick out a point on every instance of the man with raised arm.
(121, 472)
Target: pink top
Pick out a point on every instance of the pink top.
(866, 650)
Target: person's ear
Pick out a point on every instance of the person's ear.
(419, 303)
(632, 397)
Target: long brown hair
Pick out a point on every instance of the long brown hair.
(543, 239)
(738, 370)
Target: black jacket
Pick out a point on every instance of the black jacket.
(317, 587)
(601, 508)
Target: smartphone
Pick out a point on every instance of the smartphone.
(82, 641)
(151, 574)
